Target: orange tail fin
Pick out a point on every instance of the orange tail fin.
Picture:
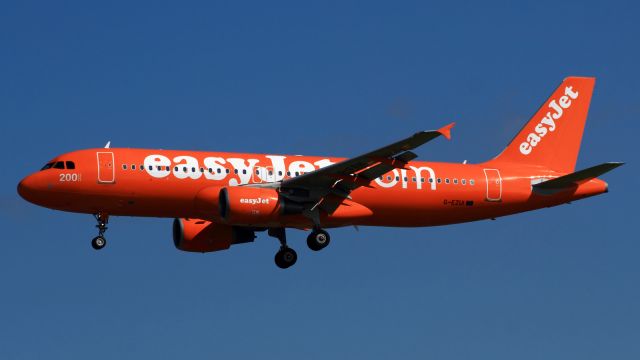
(552, 137)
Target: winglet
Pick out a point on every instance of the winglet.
(446, 130)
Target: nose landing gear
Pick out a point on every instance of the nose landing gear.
(99, 241)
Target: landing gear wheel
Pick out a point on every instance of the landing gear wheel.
(98, 242)
(318, 240)
(286, 257)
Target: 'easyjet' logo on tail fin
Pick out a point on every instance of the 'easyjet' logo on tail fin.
(548, 122)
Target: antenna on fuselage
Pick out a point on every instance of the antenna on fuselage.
(108, 144)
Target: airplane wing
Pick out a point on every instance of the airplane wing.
(338, 180)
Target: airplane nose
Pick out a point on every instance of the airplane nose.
(26, 188)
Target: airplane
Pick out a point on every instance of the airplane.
(219, 199)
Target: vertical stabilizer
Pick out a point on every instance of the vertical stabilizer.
(552, 137)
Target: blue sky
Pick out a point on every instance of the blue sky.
(330, 78)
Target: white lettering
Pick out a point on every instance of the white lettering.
(244, 171)
(300, 167)
(157, 165)
(557, 109)
(418, 171)
(564, 102)
(218, 172)
(187, 169)
(277, 169)
(391, 183)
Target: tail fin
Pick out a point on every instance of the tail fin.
(552, 137)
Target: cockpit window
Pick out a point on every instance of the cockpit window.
(59, 165)
(48, 166)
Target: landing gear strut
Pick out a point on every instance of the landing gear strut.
(286, 256)
(99, 241)
(318, 239)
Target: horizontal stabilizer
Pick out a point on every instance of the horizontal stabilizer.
(577, 177)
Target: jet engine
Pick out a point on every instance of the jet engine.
(254, 206)
(204, 236)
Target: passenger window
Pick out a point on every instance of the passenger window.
(150, 167)
(397, 178)
(58, 165)
(133, 166)
(193, 169)
(288, 173)
(184, 169)
(421, 179)
(464, 182)
(210, 171)
(279, 173)
(244, 171)
(235, 171)
(257, 172)
(227, 171)
(471, 182)
(70, 165)
(141, 167)
(455, 181)
(175, 168)
(439, 180)
(201, 170)
(124, 166)
(406, 179)
(446, 181)
(431, 180)
(413, 179)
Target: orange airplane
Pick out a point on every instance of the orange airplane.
(221, 199)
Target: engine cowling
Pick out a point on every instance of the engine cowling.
(206, 202)
(204, 236)
(253, 206)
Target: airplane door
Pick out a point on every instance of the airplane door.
(263, 174)
(270, 174)
(106, 168)
(494, 184)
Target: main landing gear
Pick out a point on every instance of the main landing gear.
(99, 241)
(318, 239)
(286, 256)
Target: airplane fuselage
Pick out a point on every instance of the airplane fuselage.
(176, 184)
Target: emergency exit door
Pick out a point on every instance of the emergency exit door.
(106, 168)
(494, 184)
